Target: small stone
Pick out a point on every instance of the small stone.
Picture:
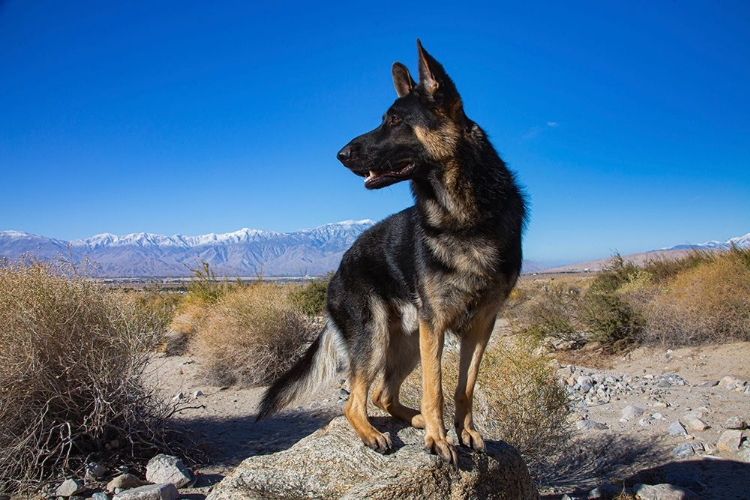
(658, 416)
(590, 425)
(695, 423)
(735, 423)
(605, 492)
(663, 492)
(166, 491)
(99, 496)
(676, 429)
(684, 450)
(631, 412)
(645, 421)
(124, 482)
(729, 440)
(69, 488)
(197, 394)
(178, 397)
(168, 469)
(95, 471)
(709, 383)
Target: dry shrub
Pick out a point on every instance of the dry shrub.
(550, 310)
(517, 398)
(520, 400)
(709, 302)
(72, 356)
(251, 335)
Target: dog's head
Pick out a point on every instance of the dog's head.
(419, 132)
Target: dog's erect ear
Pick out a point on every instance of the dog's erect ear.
(435, 85)
(402, 79)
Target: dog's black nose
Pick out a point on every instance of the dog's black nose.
(344, 154)
(347, 153)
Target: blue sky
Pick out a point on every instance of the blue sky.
(628, 123)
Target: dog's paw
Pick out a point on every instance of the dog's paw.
(442, 447)
(472, 439)
(378, 442)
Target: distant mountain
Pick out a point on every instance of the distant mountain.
(246, 252)
(674, 252)
(739, 242)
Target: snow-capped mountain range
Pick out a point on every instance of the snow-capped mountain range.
(247, 252)
(738, 241)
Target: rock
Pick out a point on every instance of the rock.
(69, 488)
(631, 412)
(95, 471)
(744, 455)
(333, 463)
(729, 440)
(735, 423)
(710, 383)
(605, 492)
(150, 492)
(684, 450)
(124, 482)
(590, 425)
(676, 429)
(168, 469)
(197, 394)
(695, 423)
(99, 496)
(663, 492)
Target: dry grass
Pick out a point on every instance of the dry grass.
(251, 335)
(708, 302)
(701, 298)
(72, 355)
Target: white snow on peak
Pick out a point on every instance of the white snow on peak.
(10, 233)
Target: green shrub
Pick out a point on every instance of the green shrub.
(612, 320)
(311, 298)
(72, 360)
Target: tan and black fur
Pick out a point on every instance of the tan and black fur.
(446, 264)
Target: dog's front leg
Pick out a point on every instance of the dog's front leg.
(431, 351)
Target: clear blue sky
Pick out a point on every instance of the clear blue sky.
(627, 122)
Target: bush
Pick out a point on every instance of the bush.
(72, 357)
(311, 298)
(707, 302)
(251, 335)
(612, 320)
(550, 311)
(517, 398)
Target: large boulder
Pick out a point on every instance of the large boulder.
(333, 463)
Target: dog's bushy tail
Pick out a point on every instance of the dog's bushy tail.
(318, 365)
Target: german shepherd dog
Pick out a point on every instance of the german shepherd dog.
(446, 264)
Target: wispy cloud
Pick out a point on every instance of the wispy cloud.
(534, 131)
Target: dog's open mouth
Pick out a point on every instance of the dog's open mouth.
(377, 179)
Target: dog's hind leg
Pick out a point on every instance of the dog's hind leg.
(403, 356)
(473, 344)
(356, 413)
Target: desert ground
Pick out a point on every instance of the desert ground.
(667, 385)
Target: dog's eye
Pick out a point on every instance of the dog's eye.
(394, 120)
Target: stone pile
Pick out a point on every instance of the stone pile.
(165, 475)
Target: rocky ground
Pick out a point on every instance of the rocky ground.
(654, 417)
